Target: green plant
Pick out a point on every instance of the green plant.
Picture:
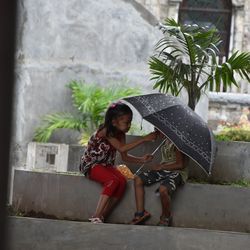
(233, 134)
(238, 183)
(91, 102)
(187, 57)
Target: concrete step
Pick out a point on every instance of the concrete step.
(40, 234)
(74, 197)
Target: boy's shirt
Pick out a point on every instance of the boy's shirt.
(168, 156)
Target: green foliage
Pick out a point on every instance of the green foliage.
(239, 183)
(56, 121)
(187, 57)
(233, 134)
(91, 102)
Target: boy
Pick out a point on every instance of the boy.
(171, 173)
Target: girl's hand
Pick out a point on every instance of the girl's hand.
(157, 167)
(151, 136)
(147, 158)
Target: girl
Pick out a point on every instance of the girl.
(97, 163)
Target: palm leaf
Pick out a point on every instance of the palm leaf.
(53, 122)
(91, 102)
(187, 57)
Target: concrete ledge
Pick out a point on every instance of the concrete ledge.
(232, 161)
(40, 234)
(75, 198)
(238, 98)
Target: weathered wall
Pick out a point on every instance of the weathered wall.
(240, 26)
(99, 41)
(226, 107)
(240, 23)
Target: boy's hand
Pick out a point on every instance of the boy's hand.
(151, 136)
(147, 158)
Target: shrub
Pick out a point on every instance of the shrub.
(91, 101)
(234, 134)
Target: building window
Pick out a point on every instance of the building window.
(209, 13)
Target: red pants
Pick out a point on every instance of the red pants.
(114, 183)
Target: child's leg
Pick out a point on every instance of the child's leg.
(139, 194)
(109, 206)
(102, 203)
(110, 183)
(141, 214)
(165, 201)
(144, 179)
(118, 194)
(166, 189)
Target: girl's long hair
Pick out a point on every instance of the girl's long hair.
(114, 111)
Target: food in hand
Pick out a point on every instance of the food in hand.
(125, 171)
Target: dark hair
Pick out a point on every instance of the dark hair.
(114, 111)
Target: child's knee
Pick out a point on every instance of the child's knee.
(138, 181)
(163, 190)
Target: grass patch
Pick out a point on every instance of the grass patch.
(12, 212)
(233, 135)
(239, 183)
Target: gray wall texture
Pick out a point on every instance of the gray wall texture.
(103, 42)
(100, 41)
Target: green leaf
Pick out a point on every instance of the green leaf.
(187, 57)
(90, 101)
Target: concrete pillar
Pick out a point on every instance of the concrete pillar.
(173, 9)
(237, 33)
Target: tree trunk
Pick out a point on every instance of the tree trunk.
(191, 99)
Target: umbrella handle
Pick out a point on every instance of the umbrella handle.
(152, 154)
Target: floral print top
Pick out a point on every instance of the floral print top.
(98, 150)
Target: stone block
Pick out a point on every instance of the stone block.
(47, 156)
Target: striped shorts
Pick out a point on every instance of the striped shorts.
(170, 179)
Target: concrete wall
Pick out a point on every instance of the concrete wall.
(232, 160)
(232, 163)
(75, 197)
(226, 107)
(103, 42)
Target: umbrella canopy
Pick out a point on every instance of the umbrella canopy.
(180, 124)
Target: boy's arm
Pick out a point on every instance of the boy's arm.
(177, 165)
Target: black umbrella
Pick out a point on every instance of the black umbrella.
(180, 124)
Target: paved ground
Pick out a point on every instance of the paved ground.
(40, 234)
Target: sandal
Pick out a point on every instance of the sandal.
(140, 217)
(96, 220)
(165, 221)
